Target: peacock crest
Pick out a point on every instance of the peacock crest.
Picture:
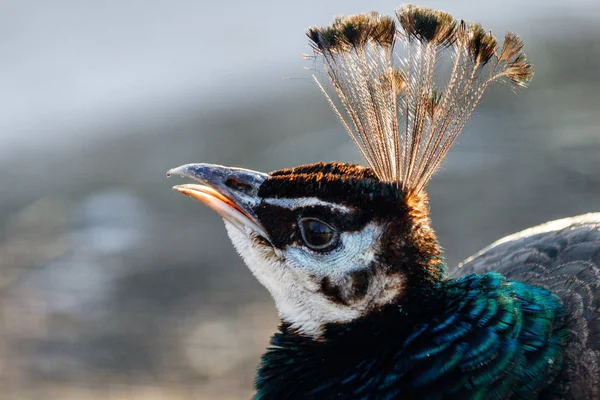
(404, 111)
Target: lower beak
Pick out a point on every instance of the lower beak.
(231, 192)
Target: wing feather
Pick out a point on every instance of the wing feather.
(564, 257)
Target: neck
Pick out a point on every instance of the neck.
(508, 336)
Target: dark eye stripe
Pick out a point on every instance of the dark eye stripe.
(281, 224)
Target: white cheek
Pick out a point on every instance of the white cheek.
(263, 266)
(295, 293)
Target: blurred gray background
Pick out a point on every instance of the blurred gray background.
(114, 287)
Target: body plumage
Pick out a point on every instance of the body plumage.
(369, 309)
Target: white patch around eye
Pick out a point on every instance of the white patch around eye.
(293, 277)
(296, 295)
(355, 251)
(299, 202)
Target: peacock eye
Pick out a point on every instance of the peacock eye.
(317, 234)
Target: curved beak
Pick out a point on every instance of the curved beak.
(231, 192)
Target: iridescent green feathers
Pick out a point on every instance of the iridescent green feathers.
(405, 112)
(479, 337)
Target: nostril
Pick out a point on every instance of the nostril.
(238, 185)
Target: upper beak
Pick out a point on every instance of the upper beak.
(231, 192)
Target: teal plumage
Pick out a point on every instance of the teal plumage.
(477, 337)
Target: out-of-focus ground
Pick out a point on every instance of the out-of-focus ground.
(114, 287)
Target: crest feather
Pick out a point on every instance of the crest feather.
(404, 113)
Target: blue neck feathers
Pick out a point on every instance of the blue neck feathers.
(479, 337)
